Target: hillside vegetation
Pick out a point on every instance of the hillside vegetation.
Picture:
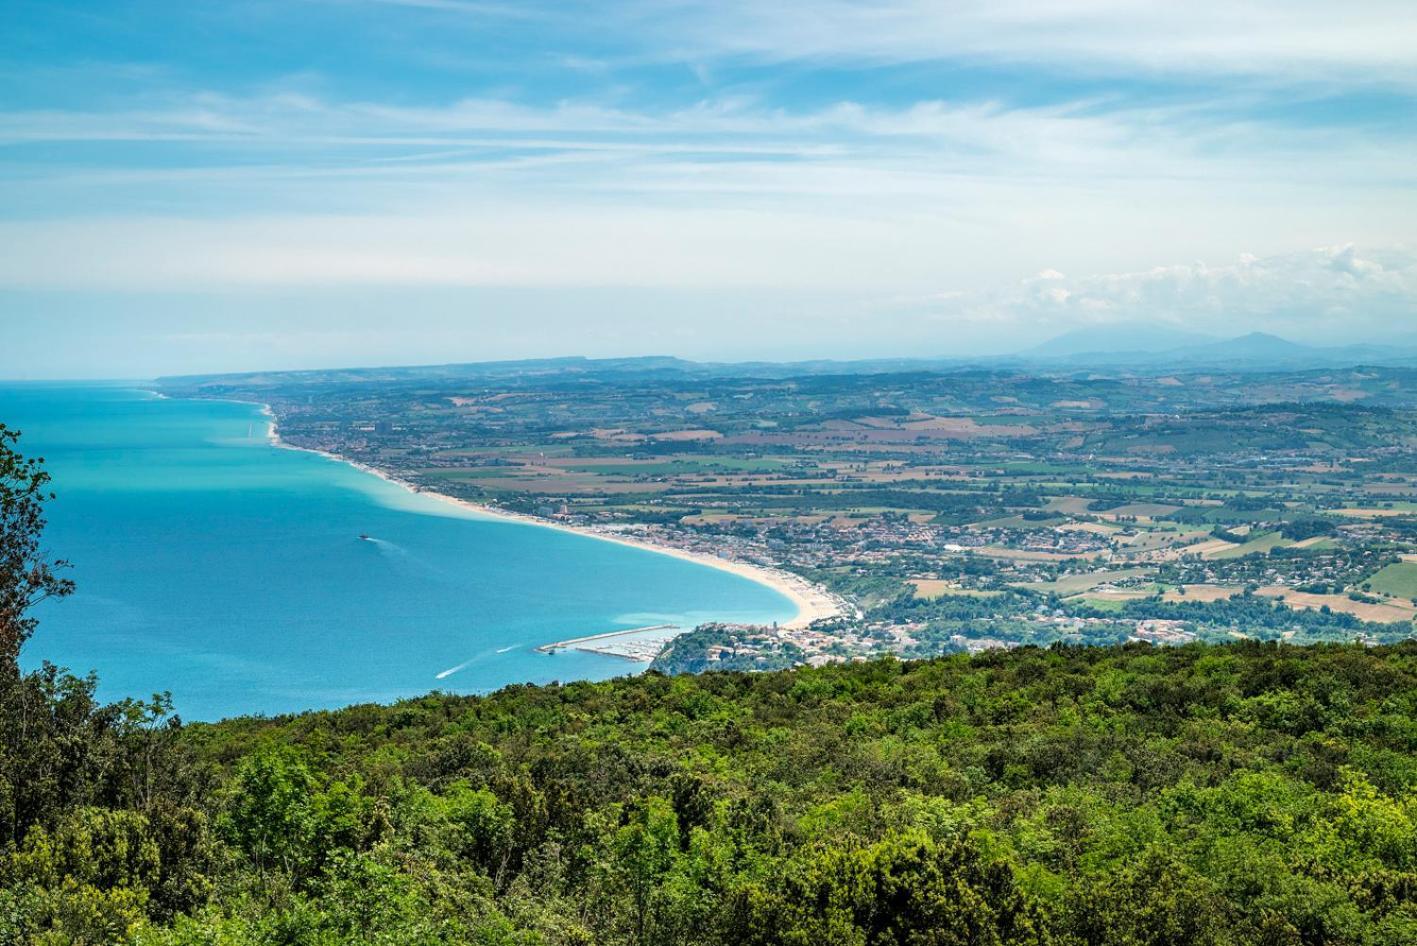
(1252, 793)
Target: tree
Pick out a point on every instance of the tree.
(270, 815)
(27, 574)
(906, 889)
(282, 818)
(89, 880)
(1155, 900)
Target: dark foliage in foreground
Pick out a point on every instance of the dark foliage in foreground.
(27, 574)
(1240, 794)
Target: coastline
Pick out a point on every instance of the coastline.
(813, 603)
(639, 644)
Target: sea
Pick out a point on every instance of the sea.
(231, 573)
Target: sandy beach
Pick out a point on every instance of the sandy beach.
(812, 602)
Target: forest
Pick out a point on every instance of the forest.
(1204, 794)
(1249, 793)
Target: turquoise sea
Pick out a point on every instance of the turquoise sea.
(231, 573)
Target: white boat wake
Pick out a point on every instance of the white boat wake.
(452, 670)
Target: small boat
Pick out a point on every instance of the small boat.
(366, 537)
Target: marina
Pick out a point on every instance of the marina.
(637, 643)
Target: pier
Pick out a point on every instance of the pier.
(636, 643)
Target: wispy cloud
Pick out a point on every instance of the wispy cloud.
(923, 140)
(1364, 41)
(802, 150)
(1328, 293)
(1372, 40)
(290, 189)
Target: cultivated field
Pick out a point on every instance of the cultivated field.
(1383, 613)
(1399, 580)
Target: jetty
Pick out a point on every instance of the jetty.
(640, 644)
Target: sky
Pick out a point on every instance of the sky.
(267, 184)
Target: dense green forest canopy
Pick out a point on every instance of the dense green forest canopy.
(1246, 793)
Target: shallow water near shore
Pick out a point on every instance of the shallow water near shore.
(231, 572)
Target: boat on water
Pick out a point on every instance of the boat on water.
(366, 537)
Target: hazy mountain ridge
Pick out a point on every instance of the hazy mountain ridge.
(1141, 349)
(1132, 338)
(1257, 350)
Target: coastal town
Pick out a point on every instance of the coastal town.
(924, 512)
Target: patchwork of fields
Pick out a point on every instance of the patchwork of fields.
(950, 509)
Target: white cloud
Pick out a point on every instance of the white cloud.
(1306, 40)
(1208, 129)
(1328, 294)
(951, 179)
(1294, 40)
(294, 189)
(1180, 139)
(504, 245)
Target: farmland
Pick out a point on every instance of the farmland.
(1398, 579)
(949, 510)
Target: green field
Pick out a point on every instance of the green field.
(1142, 509)
(1101, 602)
(1399, 580)
(681, 466)
(1071, 505)
(467, 475)
(1026, 467)
(1260, 543)
(1020, 523)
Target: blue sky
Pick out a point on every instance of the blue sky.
(210, 185)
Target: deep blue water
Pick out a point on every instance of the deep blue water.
(231, 573)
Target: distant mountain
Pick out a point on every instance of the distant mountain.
(1127, 338)
(1256, 346)
(571, 369)
(1154, 349)
(1134, 348)
(1260, 350)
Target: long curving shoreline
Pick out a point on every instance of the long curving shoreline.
(812, 602)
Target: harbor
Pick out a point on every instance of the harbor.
(640, 644)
